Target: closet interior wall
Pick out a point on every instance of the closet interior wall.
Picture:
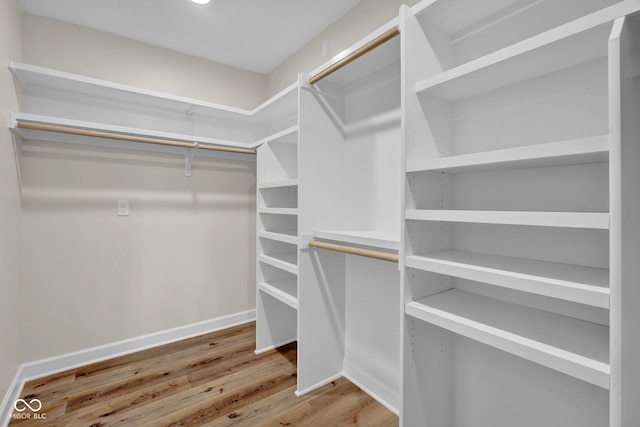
(509, 223)
(349, 194)
(11, 333)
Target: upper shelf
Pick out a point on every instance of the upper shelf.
(576, 151)
(277, 108)
(577, 42)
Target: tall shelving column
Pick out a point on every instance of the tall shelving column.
(277, 281)
(509, 226)
(349, 196)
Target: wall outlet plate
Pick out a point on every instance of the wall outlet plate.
(123, 207)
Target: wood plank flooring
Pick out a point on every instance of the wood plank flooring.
(211, 380)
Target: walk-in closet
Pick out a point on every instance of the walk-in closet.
(419, 213)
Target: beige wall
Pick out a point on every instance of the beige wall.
(360, 21)
(184, 254)
(75, 49)
(187, 251)
(10, 241)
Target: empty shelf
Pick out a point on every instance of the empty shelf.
(584, 285)
(376, 239)
(279, 211)
(285, 236)
(279, 184)
(592, 220)
(574, 43)
(575, 347)
(283, 290)
(287, 262)
(576, 151)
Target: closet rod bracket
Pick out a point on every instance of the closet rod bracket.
(188, 160)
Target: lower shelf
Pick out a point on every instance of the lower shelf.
(283, 290)
(574, 347)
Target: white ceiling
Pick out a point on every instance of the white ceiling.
(255, 35)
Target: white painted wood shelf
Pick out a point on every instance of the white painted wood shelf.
(574, 347)
(587, 220)
(285, 236)
(284, 261)
(283, 290)
(577, 151)
(278, 211)
(375, 239)
(278, 184)
(547, 52)
(276, 109)
(584, 285)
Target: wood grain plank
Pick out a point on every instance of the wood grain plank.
(211, 380)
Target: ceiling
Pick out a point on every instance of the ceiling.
(255, 35)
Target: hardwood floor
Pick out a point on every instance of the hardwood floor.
(211, 380)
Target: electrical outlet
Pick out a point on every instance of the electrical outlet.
(123, 208)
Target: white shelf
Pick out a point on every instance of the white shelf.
(574, 347)
(286, 262)
(584, 285)
(276, 109)
(588, 220)
(279, 184)
(289, 136)
(376, 239)
(101, 127)
(574, 43)
(285, 236)
(278, 211)
(283, 290)
(576, 151)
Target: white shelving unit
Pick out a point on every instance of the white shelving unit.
(57, 98)
(277, 281)
(350, 193)
(511, 223)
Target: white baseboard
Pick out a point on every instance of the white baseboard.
(273, 347)
(318, 385)
(388, 398)
(53, 365)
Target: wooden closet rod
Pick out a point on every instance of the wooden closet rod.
(120, 137)
(384, 256)
(380, 40)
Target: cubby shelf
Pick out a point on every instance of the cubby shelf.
(575, 43)
(285, 236)
(286, 261)
(278, 211)
(584, 285)
(577, 151)
(588, 220)
(574, 347)
(283, 290)
(279, 184)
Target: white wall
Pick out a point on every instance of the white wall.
(10, 242)
(360, 21)
(76, 49)
(187, 251)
